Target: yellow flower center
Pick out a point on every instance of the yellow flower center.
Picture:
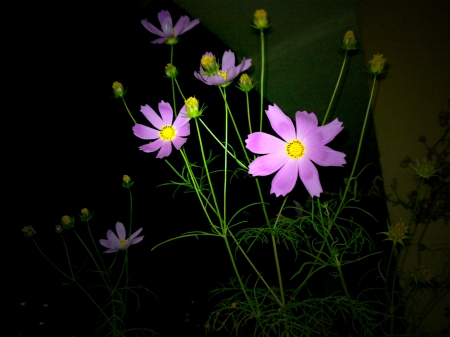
(295, 149)
(85, 211)
(167, 133)
(126, 178)
(123, 242)
(223, 74)
(349, 35)
(66, 220)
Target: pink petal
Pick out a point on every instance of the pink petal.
(120, 230)
(113, 250)
(268, 164)
(152, 117)
(160, 40)
(281, 123)
(324, 156)
(166, 150)
(152, 29)
(184, 131)
(137, 240)
(326, 133)
(306, 125)
(228, 60)
(284, 181)
(165, 19)
(105, 243)
(153, 146)
(215, 80)
(135, 234)
(189, 26)
(262, 143)
(144, 132)
(181, 23)
(310, 177)
(178, 142)
(111, 236)
(181, 120)
(166, 112)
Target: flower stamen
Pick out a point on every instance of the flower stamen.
(167, 133)
(295, 149)
(123, 242)
(223, 74)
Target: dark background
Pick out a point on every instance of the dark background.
(69, 144)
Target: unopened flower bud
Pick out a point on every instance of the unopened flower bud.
(171, 71)
(426, 169)
(260, 19)
(245, 83)
(349, 41)
(209, 64)
(28, 231)
(85, 215)
(397, 233)
(67, 222)
(127, 182)
(118, 89)
(376, 64)
(58, 229)
(192, 109)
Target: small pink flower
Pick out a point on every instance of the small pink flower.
(165, 133)
(292, 156)
(169, 33)
(116, 243)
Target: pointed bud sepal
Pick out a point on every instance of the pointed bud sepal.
(426, 169)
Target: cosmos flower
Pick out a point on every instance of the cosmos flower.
(166, 133)
(291, 156)
(169, 33)
(211, 74)
(116, 243)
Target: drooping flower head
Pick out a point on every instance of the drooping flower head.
(211, 74)
(291, 156)
(169, 33)
(118, 242)
(165, 133)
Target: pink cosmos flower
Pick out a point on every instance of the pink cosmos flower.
(166, 133)
(292, 156)
(169, 33)
(210, 73)
(116, 243)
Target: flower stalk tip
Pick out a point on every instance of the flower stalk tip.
(67, 222)
(397, 233)
(245, 83)
(85, 215)
(28, 231)
(349, 41)
(127, 182)
(118, 89)
(260, 19)
(376, 64)
(192, 108)
(171, 71)
(426, 169)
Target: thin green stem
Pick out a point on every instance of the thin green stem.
(93, 259)
(248, 112)
(126, 107)
(52, 262)
(238, 275)
(225, 171)
(207, 172)
(98, 252)
(221, 144)
(335, 88)
(262, 80)
(361, 137)
(68, 257)
(255, 269)
(222, 91)
(179, 89)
